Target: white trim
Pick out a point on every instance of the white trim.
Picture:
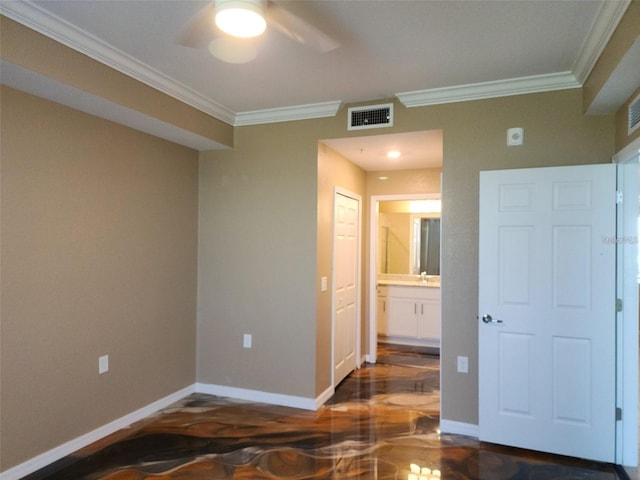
(286, 114)
(603, 27)
(35, 17)
(346, 193)
(494, 89)
(627, 346)
(324, 397)
(258, 396)
(42, 21)
(61, 451)
(459, 428)
(628, 152)
(50, 456)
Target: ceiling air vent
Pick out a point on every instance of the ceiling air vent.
(371, 116)
(634, 115)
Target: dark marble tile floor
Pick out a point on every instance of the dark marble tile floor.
(382, 423)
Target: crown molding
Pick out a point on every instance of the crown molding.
(604, 25)
(286, 114)
(499, 88)
(40, 20)
(52, 26)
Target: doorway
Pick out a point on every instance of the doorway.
(401, 165)
(404, 289)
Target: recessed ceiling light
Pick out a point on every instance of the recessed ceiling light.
(382, 177)
(393, 154)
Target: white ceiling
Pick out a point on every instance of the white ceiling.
(416, 149)
(420, 51)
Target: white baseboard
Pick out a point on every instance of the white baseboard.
(324, 396)
(48, 457)
(459, 428)
(61, 451)
(305, 403)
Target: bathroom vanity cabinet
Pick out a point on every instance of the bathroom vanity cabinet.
(381, 310)
(412, 315)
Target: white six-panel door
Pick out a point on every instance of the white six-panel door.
(547, 309)
(345, 295)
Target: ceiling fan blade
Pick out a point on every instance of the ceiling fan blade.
(298, 29)
(200, 30)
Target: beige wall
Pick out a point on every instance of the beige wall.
(22, 46)
(98, 256)
(99, 247)
(396, 246)
(555, 133)
(257, 260)
(405, 182)
(264, 194)
(333, 171)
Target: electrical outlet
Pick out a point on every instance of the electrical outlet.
(463, 364)
(246, 340)
(103, 364)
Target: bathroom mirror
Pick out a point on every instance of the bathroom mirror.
(425, 245)
(408, 242)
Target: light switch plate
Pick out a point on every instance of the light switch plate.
(323, 284)
(103, 364)
(246, 340)
(463, 364)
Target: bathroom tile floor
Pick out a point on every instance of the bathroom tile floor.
(382, 419)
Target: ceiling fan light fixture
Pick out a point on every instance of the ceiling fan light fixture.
(241, 18)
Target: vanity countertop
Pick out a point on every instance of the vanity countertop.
(409, 283)
(409, 280)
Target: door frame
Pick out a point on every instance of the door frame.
(374, 207)
(627, 351)
(358, 337)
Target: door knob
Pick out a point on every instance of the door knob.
(489, 319)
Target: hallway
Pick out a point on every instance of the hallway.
(381, 423)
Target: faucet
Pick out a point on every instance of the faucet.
(423, 277)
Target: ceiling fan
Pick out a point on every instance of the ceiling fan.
(234, 44)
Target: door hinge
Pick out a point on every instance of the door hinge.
(618, 305)
(618, 414)
(619, 197)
